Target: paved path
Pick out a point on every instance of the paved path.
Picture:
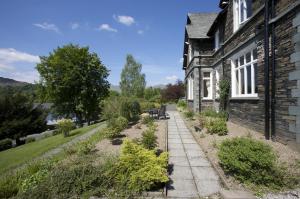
(191, 174)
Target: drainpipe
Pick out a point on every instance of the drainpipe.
(266, 74)
(273, 77)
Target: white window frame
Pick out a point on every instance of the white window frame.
(210, 96)
(237, 70)
(217, 83)
(237, 15)
(190, 89)
(190, 53)
(217, 39)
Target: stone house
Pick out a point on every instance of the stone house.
(264, 84)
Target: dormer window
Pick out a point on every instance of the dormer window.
(242, 10)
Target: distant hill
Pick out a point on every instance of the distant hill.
(11, 86)
(11, 82)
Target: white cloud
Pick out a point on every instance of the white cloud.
(47, 26)
(140, 32)
(107, 27)
(74, 26)
(8, 56)
(126, 20)
(181, 60)
(172, 78)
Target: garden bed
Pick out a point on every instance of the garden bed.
(288, 156)
(132, 132)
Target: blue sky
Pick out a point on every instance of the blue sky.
(152, 31)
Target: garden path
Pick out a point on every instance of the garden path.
(191, 174)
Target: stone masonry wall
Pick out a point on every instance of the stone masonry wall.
(294, 76)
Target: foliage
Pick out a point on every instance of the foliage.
(64, 126)
(33, 180)
(19, 117)
(152, 94)
(182, 104)
(189, 114)
(146, 106)
(149, 139)
(132, 80)
(130, 109)
(139, 169)
(80, 178)
(5, 144)
(251, 161)
(173, 92)
(8, 186)
(224, 86)
(115, 126)
(111, 107)
(147, 119)
(216, 126)
(215, 114)
(75, 80)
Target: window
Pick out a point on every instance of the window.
(242, 10)
(217, 83)
(207, 85)
(244, 74)
(217, 40)
(190, 86)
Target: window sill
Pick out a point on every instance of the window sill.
(207, 99)
(190, 100)
(243, 98)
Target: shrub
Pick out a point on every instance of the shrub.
(181, 103)
(30, 139)
(130, 109)
(249, 160)
(111, 132)
(73, 180)
(215, 114)
(189, 114)
(65, 126)
(5, 144)
(216, 126)
(119, 123)
(139, 169)
(149, 139)
(84, 147)
(147, 120)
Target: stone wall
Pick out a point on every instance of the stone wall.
(294, 76)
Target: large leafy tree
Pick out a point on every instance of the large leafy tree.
(132, 80)
(75, 80)
(19, 117)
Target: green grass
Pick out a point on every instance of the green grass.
(16, 156)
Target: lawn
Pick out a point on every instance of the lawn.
(22, 154)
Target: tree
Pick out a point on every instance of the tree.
(75, 80)
(173, 92)
(19, 117)
(132, 80)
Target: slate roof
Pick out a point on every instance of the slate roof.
(199, 24)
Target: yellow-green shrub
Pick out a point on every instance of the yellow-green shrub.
(216, 126)
(65, 126)
(140, 169)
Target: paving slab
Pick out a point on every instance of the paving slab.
(191, 146)
(182, 189)
(178, 161)
(181, 173)
(189, 141)
(208, 187)
(198, 162)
